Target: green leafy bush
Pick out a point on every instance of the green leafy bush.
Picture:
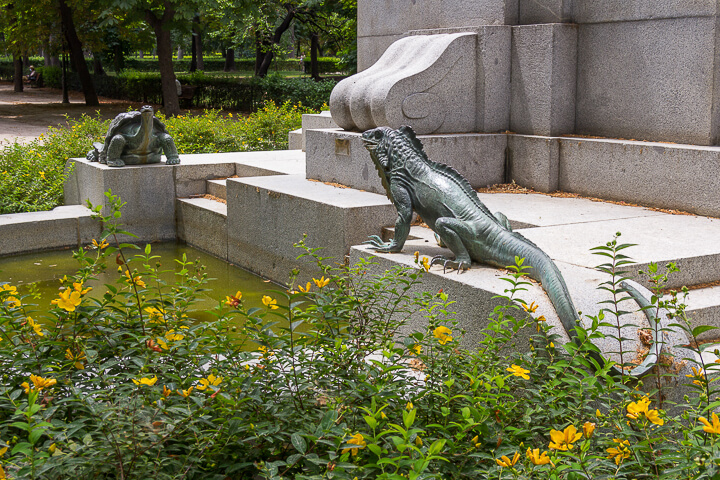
(32, 174)
(212, 92)
(322, 385)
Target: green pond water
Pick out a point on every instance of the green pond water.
(45, 269)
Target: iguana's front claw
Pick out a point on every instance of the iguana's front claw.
(376, 243)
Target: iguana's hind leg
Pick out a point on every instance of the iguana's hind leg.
(451, 232)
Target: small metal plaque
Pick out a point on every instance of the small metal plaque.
(342, 146)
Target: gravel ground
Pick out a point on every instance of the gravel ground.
(25, 116)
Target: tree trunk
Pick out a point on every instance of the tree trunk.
(229, 60)
(197, 44)
(314, 70)
(277, 35)
(258, 52)
(141, 54)
(18, 73)
(180, 54)
(76, 52)
(46, 56)
(97, 64)
(164, 53)
(193, 55)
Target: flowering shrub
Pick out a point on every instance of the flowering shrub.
(32, 174)
(321, 383)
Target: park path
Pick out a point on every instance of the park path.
(26, 115)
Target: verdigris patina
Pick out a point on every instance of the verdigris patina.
(451, 208)
(135, 138)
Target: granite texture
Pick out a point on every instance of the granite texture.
(338, 156)
(533, 162)
(650, 80)
(68, 226)
(147, 190)
(202, 223)
(425, 81)
(269, 214)
(682, 177)
(543, 79)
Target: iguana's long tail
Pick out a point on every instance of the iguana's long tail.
(544, 270)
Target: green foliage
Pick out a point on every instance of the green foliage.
(212, 92)
(32, 174)
(330, 382)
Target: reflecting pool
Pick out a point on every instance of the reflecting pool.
(43, 271)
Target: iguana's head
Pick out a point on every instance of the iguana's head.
(372, 139)
(390, 148)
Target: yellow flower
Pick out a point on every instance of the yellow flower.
(698, 375)
(714, 428)
(443, 334)
(269, 302)
(42, 175)
(146, 381)
(78, 288)
(211, 380)
(417, 256)
(475, 442)
(530, 308)
(11, 299)
(35, 326)
(409, 406)
(588, 429)
(620, 452)
(185, 393)
(306, 289)
(639, 408)
(426, 264)
(3, 450)
(539, 320)
(166, 391)
(598, 413)
(39, 383)
(536, 458)
(518, 371)
(100, 245)
(136, 279)
(416, 349)
(77, 359)
(69, 299)
(235, 300)
(564, 440)
(157, 315)
(418, 441)
(174, 337)
(358, 440)
(161, 343)
(506, 462)
(322, 282)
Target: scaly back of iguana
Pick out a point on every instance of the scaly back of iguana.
(399, 153)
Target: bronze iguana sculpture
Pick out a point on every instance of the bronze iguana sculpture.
(135, 138)
(451, 208)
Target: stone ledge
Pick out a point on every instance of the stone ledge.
(269, 214)
(63, 227)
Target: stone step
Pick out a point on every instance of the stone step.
(202, 223)
(267, 215)
(217, 188)
(703, 308)
(567, 228)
